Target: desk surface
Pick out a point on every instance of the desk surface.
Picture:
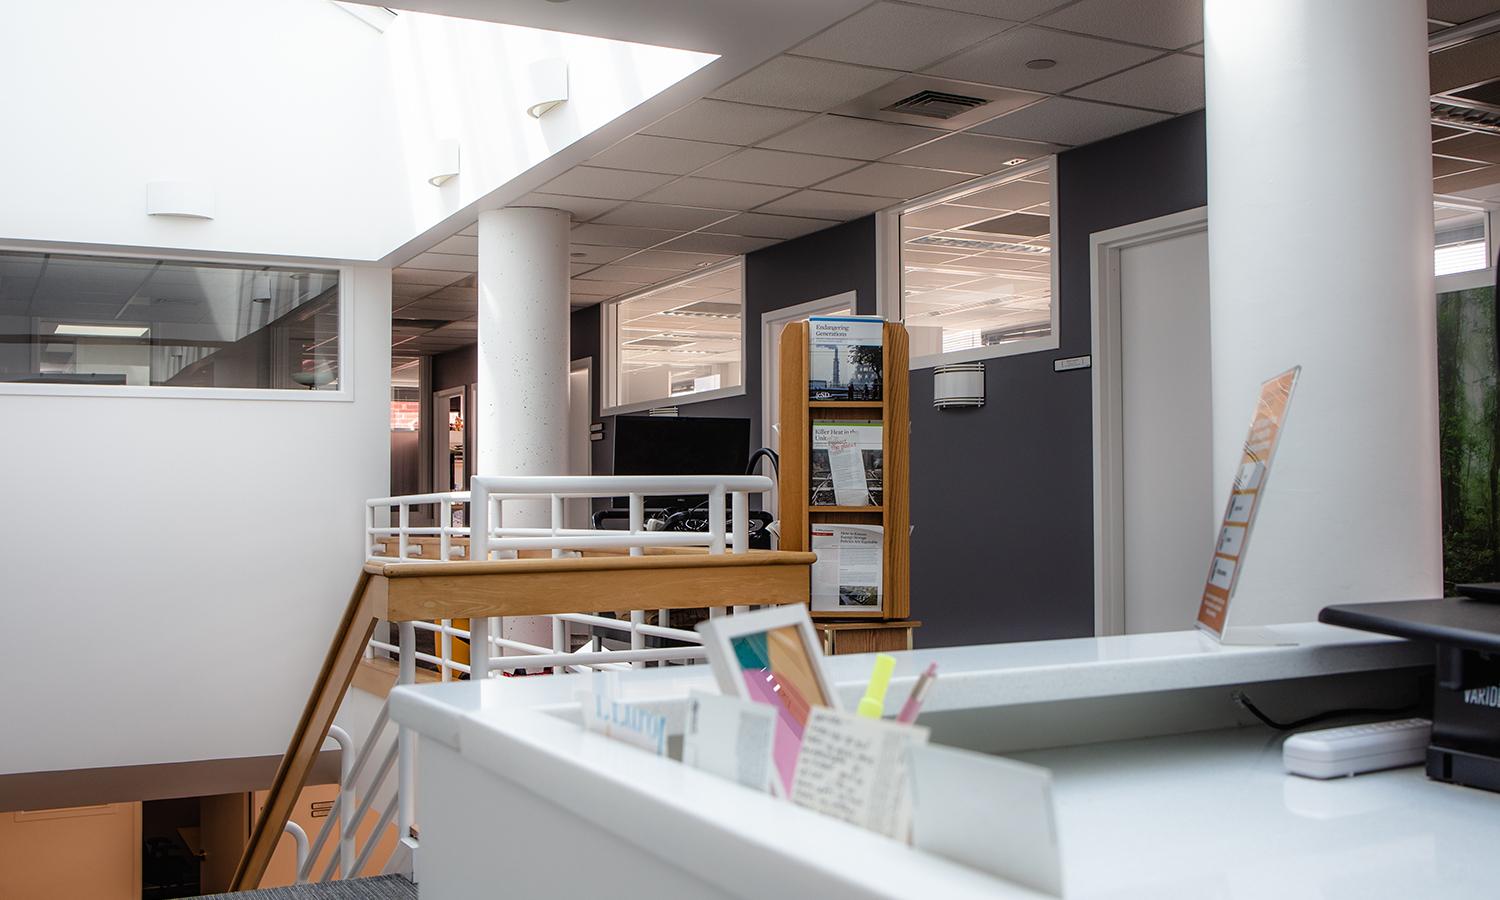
(1212, 815)
(1453, 621)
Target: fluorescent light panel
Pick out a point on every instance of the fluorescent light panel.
(102, 330)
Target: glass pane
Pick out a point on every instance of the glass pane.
(1459, 240)
(976, 267)
(143, 322)
(680, 340)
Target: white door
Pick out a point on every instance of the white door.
(1166, 430)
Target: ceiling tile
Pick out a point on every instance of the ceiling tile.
(1002, 60)
(1016, 10)
(1467, 180)
(1169, 24)
(648, 153)
(619, 235)
(901, 37)
(1195, 49)
(825, 205)
(1063, 120)
(1173, 83)
(413, 275)
(712, 194)
(611, 184)
(576, 269)
(851, 138)
(886, 180)
(602, 288)
(660, 215)
(762, 225)
(945, 215)
(1447, 165)
(795, 82)
(582, 208)
(1443, 132)
(777, 167)
(585, 253)
(727, 123)
(675, 260)
(731, 244)
(1461, 11)
(449, 262)
(1473, 146)
(1464, 64)
(460, 243)
(973, 153)
(1011, 195)
(630, 274)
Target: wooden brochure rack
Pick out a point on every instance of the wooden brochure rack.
(798, 515)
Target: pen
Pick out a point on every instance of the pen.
(872, 705)
(918, 694)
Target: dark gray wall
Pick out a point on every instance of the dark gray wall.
(1002, 496)
(817, 265)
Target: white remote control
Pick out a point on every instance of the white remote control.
(1352, 749)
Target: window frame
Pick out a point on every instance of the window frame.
(343, 394)
(1486, 212)
(609, 349)
(889, 291)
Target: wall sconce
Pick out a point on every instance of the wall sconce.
(547, 87)
(958, 385)
(442, 161)
(179, 199)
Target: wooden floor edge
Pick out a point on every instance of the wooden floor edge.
(590, 563)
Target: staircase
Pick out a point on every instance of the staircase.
(383, 887)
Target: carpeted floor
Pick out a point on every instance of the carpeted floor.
(384, 887)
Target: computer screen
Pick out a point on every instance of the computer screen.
(663, 445)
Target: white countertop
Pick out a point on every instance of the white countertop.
(973, 677)
(1200, 815)
(1212, 815)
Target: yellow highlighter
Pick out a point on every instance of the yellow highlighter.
(872, 705)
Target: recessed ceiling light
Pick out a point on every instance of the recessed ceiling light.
(1040, 63)
(102, 330)
(1015, 162)
(575, 254)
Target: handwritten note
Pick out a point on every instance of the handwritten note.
(855, 769)
(731, 738)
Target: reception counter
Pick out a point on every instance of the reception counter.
(1163, 786)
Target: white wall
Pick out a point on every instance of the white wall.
(311, 128)
(279, 105)
(174, 568)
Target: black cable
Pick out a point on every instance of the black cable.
(1244, 702)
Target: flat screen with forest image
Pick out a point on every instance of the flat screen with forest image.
(1469, 430)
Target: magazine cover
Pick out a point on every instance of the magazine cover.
(848, 572)
(845, 358)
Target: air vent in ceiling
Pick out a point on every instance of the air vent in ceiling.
(707, 309)
(1471, 118)
(935, 104)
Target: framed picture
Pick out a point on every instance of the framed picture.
(772, 656)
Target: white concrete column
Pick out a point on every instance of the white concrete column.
(1320, 254)
(521, 415)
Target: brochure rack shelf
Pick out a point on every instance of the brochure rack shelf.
(798, 514)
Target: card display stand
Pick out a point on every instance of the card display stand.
(798, 515)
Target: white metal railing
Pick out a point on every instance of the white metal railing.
(505, 516)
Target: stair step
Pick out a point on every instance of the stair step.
(381, 887)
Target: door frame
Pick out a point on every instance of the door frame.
(770, 322)
(1104, 298)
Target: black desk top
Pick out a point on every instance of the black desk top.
(1455, 621)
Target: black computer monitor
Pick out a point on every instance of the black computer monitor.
(664, 445)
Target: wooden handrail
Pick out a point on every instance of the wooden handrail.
(408, 591)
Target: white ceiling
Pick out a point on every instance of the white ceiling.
(787, 149)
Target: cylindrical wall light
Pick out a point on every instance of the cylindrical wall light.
(958, 385)
(180, 199)
(546, 87)
(442, 161)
